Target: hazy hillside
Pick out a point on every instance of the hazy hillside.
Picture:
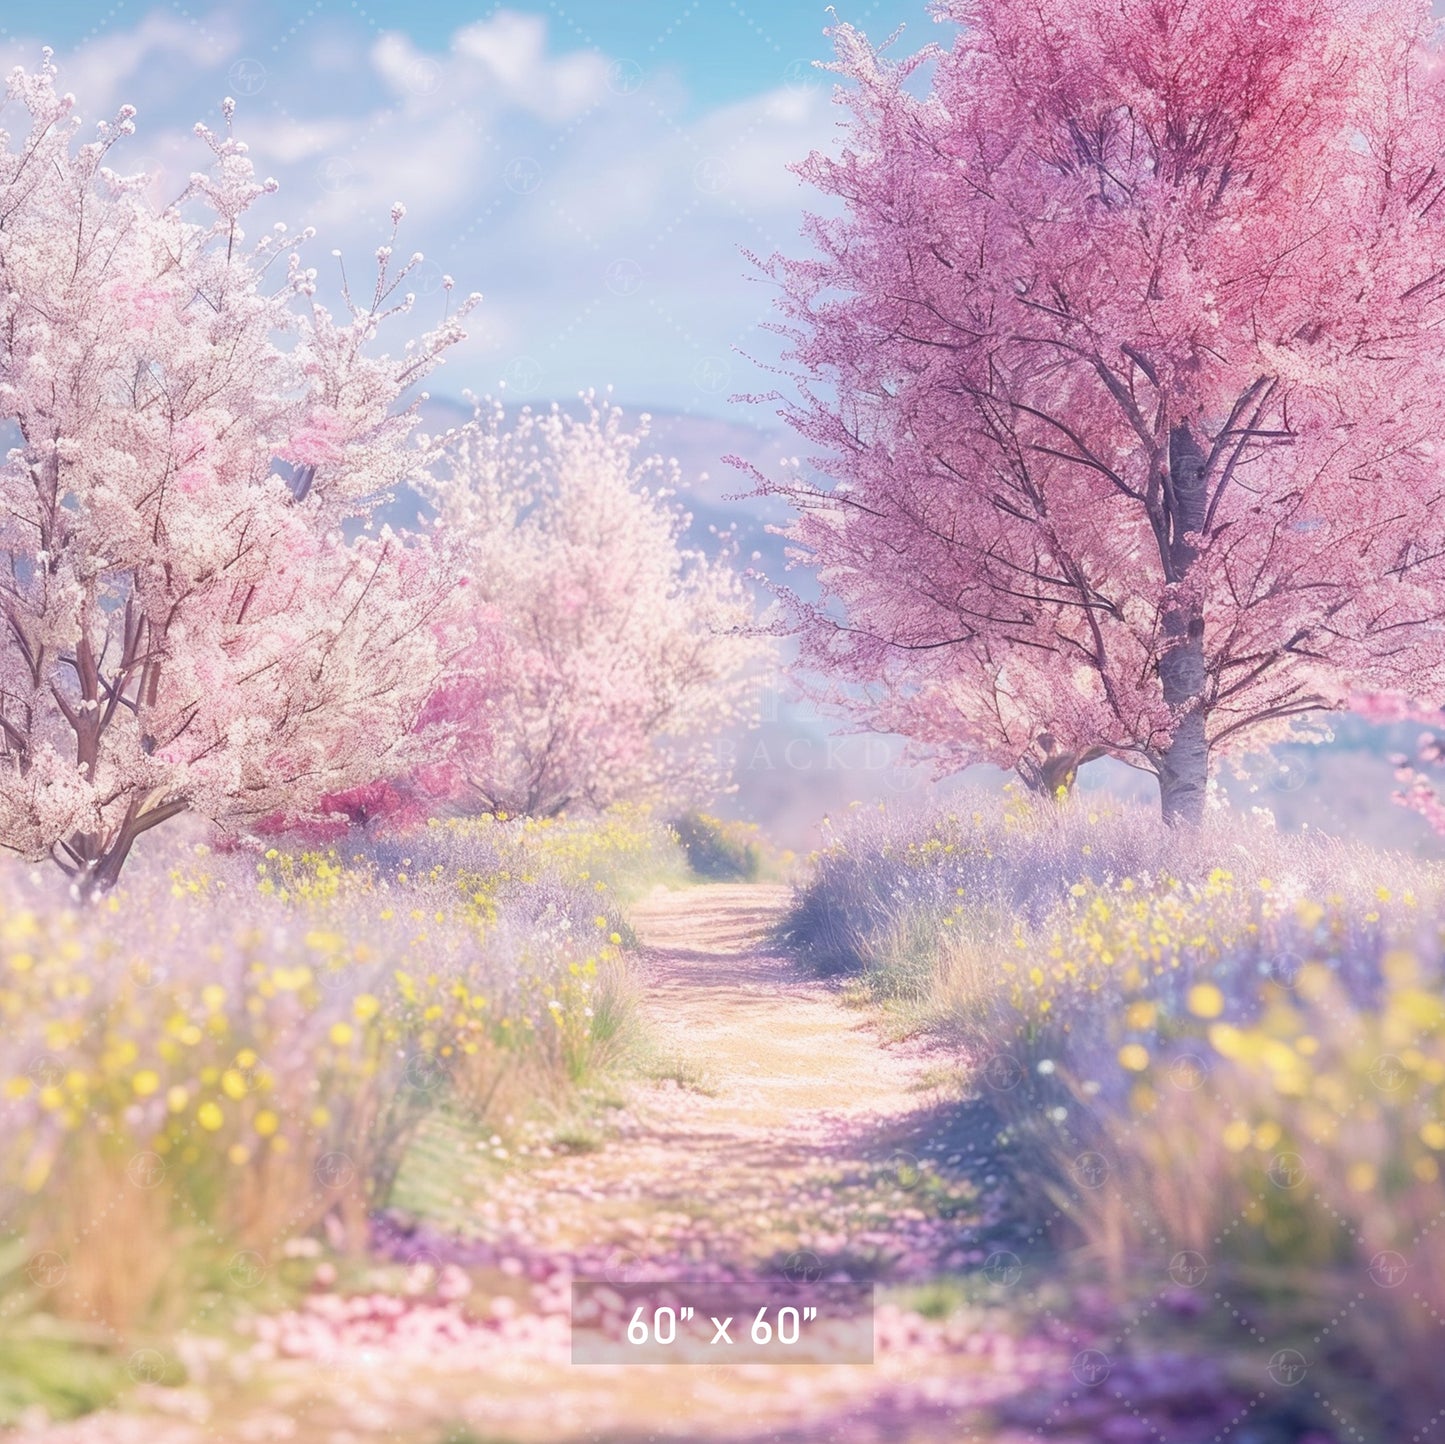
(698, 443)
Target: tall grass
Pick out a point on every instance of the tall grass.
(234, 1051)
(720, 851)
(1228, 1045)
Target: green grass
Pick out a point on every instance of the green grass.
(577, 1138)
(683, 1070)
(452, 1162)
(719, 851)
(444, 1170)
(954, 1080)
(61, 1369)
(56, 1371)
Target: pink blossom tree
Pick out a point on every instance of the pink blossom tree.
(1123, 350)
(615, 654)
(185, 626)
(1418, 774)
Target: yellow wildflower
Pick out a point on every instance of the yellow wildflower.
(1140, 1015)
(1236, 1136)
(1361, 1177)
(1205, 1000)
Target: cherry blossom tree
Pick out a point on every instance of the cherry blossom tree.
(1122, 353)
(1417, 772)
(185, 626)
(612, 654)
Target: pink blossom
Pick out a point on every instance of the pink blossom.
(321, 442)
(612, 654)
(1123, 364)
(142, 306)
(182, 636)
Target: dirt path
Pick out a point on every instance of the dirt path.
(786, 1130)
(785, 1126)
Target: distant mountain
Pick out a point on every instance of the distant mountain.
(710, 486)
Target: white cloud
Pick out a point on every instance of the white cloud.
(286, 141)
(104, 73)
(434, 169)
(760, 137)
(497, 63)
(601, 219)
(512, 48)
(405, 69)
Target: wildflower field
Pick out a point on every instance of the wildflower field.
(1157, 1149)
(237, 1052)
(1218, 1071)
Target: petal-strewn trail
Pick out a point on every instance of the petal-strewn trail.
(796, 1137)
(792, 1128)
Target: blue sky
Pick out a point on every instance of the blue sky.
(594, 169)
(722, 49)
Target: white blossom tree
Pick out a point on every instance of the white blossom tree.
(185, 626)
(616, 653)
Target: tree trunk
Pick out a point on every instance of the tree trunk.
(101, 866)
(1053, 772)
(99, 879)
(1184, 763)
